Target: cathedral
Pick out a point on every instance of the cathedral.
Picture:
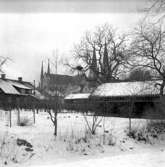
(51, 83)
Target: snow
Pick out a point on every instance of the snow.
(69, 149)
(153, 159)
(127, 89)
(78, 96)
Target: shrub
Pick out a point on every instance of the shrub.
(152, 130)
(11, 152)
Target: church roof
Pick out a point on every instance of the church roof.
(63, 79)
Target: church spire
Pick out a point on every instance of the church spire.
(48, 71)
(105, 60)
(94, 61)
(42, 70)
(41, 76)
(93, 67)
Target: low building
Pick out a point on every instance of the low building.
(138, 99)
(16, 93)
(77, 101)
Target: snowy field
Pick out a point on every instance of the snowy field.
(74, 146)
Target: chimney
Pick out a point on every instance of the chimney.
(20, 79)
(3, 76)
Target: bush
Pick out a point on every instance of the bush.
(147, 133)
(25, 121)
(13, 150)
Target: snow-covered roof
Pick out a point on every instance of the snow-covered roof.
(78, 96)
(138, 88)
(19, 85)
(8, 88)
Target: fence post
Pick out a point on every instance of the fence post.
(55, 121)
(10, 117)
(34, 116)
(18, 111)
(131, 106)
(18, 116)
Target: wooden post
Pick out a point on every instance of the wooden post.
(18, 111)
(18, 116)
(55, 121)
(10, 117)
(34, 117)
(104, 130)
(131, 106)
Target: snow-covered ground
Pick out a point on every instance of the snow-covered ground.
(74, 146)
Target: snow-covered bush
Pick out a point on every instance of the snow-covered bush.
(25, 121)
(88, 143)
(11, 152)
(152, 130)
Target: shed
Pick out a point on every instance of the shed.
(77, 101)
(15, 94)
(116, 98)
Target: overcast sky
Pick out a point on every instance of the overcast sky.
(31, 30)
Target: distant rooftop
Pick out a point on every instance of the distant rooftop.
(78, 96)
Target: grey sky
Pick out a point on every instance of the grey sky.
(30, 31)
(82, 6)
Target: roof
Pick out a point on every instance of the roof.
(64, 79)
(77, 96)
(60, 79)
(138, 88)
(8, 86)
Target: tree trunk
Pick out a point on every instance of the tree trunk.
(55, 123)
(18, 116)
(130, 114)
(10, 117)
(34, 116)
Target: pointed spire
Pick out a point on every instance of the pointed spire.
(42, 70)
(105, 60)
(48, 71)
(41, 76)
(93, 66)
(94, 60)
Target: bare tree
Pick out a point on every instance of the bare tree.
(155, 10)
(102, 54)
(94, 124)
(158, 6)
(54, 111)
(148, 50)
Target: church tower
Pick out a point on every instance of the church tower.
(48, 70)
(105, 60)
(93, 66)
(41, 76)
